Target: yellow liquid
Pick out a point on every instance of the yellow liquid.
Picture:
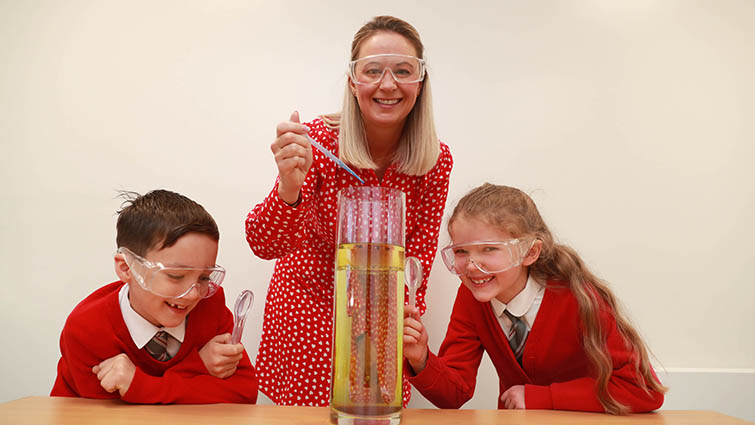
(369, 322)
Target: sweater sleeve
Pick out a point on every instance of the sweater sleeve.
(580, 394)
(189, 382)
(75, 377)
(422, 242)
(448, 380)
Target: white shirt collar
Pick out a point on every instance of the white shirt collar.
(141, 329)
(521, 303)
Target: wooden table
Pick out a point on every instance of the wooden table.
(77, 411)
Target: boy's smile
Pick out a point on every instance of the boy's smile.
(191, 250)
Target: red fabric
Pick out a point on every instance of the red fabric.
(555, 372)
(293, 362)
(95, 331)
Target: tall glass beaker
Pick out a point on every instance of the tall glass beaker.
(366, 379)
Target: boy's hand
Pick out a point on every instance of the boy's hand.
(415, 339)
(115, 373)
(220, 357)
(513, 398)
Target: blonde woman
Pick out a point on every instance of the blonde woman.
(386, 134)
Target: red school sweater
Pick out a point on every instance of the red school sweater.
(95, 331)
(556, 372)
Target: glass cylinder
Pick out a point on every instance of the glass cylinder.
(366, 379)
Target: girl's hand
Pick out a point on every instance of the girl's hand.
(513, 398)
(415, 339)
(293, 156)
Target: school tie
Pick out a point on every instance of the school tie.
(157, 347)
(518, 335)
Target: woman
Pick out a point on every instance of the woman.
(386, 133)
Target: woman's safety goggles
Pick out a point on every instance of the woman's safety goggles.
(403, 68)
(488, 257)
(173, 282)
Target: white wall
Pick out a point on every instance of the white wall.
(630, 123)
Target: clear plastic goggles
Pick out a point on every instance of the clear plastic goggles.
(488, 256)
(403, 68)
(173, 282)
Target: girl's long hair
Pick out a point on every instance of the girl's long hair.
(514, 212)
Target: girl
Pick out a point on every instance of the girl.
(386, 133)
(552, 329)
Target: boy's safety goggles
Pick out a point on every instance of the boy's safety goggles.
(403, 68)
(173, 282)
(487, 256)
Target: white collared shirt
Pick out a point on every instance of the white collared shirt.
(524, 305)
(142, 330)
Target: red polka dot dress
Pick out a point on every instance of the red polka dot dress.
(293, 363)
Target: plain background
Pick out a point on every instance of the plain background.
(629, 123)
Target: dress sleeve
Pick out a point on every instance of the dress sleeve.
(422, 242)
(448, 380)
(189, 381)
(580, 394)
(275, 229)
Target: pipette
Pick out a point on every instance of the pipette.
(333, 158)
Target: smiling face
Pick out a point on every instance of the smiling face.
(190, 250)
(504, 285)
(386, 104)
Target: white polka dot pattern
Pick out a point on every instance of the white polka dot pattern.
(293, 362)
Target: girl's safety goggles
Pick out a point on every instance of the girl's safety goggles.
(488, 257)
(173, 282)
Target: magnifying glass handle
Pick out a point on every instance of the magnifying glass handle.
(240, 310)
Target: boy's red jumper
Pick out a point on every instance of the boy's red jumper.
(95, 331)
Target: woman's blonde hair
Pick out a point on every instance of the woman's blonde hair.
(418, 148)
(513, 211)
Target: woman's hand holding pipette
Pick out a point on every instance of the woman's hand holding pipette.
(293, 156)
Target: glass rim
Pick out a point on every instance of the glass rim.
(382, 192)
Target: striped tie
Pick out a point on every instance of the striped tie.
(157, 347)
(518, 335)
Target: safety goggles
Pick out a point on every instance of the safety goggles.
(403, 68)
(487, 256)
(173, 282)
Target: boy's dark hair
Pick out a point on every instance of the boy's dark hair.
(158, 219)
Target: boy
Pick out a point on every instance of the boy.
(160, 333)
